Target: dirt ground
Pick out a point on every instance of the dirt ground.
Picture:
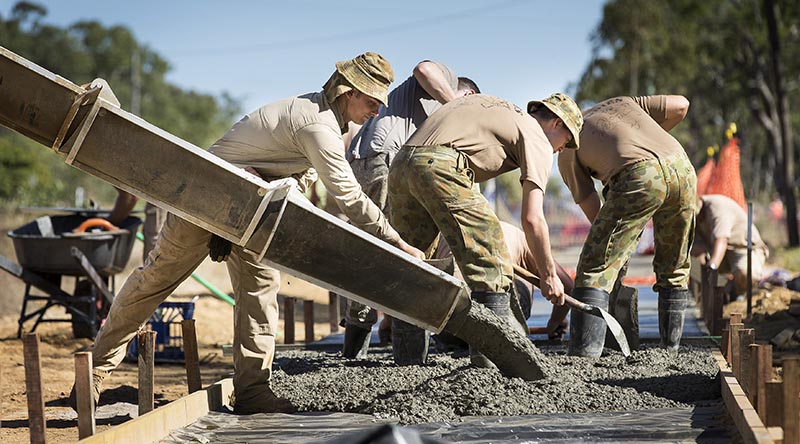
(214, 326)
(770, 315)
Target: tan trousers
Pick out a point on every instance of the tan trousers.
(181, 247)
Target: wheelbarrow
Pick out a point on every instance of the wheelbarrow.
(47, 249)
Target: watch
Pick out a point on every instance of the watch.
(712, 265)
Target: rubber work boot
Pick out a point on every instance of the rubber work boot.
(671, 306)
(587, 332)
(499, 304)
(97, 380)
(520, 302)
(266, 402)
(356, 342)
(409, 343)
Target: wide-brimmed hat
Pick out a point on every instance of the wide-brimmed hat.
(567, 110)
(370, 74)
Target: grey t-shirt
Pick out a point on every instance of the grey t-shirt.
(409, 106)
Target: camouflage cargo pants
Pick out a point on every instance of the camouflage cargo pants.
(664, 189)
(431, 190)
(372, 173)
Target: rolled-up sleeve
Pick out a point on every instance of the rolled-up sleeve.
(324, 148)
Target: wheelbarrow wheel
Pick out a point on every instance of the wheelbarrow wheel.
(80, 327)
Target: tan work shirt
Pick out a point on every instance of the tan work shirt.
(496, 135)
(294, 137)
(722, 217)
(616, 133)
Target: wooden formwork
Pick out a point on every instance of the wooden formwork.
(157, 424)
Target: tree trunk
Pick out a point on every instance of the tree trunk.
(785, 130)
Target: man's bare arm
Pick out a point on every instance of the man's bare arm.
(590, 206)
(538, 237)
(677, 108)
(433, 81)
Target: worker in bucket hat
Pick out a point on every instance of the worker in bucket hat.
(298, 137)
(431, 189)
(646, 174)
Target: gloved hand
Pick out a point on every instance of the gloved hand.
(218, 248)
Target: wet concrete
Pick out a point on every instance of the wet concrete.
(512, 353)
(448, 388)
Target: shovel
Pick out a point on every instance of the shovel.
(613, 325)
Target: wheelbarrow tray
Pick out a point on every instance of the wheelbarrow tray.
(107, 252)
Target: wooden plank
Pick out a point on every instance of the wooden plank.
(147, 346)
(735, 349)
(33, 388)
(742, 413)
(736, 318)
(288, 320)
(747, 336)
(725, 345)
(308, 320)
(754, 373)
(764, 369)
(333, 311)
(773, 390)
(83, 394)
(791, 400)
(191, 355)
(156, 425)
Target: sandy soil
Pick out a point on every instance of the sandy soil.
(118, 401)
(770, 316)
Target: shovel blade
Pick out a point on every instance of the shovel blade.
(615, 329)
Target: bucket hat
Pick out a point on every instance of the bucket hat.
(567, 110)
(370, 74)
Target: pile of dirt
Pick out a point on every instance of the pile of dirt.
(449, 388)
(772, 312)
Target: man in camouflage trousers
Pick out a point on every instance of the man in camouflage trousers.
(372, 151)
(468, 141)
(645, 173)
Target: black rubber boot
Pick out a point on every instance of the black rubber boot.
(587, 332)
(409, 343)
(356, 342)
(671, 306)
(499, 304)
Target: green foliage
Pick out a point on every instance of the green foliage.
(29, 173)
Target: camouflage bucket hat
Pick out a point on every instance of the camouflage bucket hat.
(370, 74)
(565, 108)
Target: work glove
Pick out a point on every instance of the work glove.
(218, 248)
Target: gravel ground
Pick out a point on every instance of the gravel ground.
(449, 388)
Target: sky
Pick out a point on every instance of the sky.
(262, 51)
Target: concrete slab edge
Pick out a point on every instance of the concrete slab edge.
(744, 416)
(157, 424)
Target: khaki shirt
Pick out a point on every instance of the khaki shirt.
(616, 133)
(721, 217)
(292, 138)
(496, 135)
(409, 106)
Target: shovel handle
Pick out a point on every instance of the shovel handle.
(533, 279)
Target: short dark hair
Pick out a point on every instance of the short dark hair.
(467, 83)
(544, 114)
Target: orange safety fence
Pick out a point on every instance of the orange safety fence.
(726, 178)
